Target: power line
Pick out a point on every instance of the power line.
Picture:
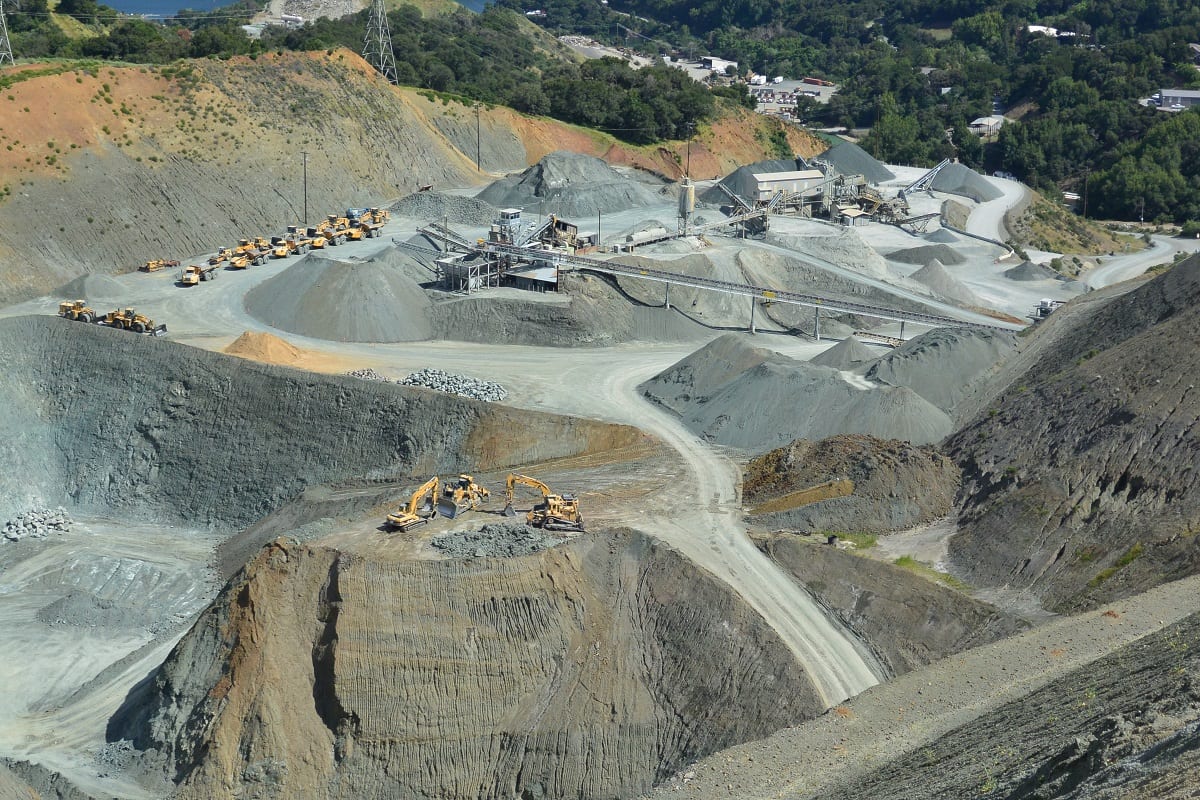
(377, 45)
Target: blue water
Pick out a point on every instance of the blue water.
(166, 8)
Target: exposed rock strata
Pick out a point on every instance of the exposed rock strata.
(593, 669)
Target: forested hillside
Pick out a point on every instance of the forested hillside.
(915, 69)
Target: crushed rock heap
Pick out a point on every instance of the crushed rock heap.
(495, 540)
(462, 385)
(570, 184)
(38, 523)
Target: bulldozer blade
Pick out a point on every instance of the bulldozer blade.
(450, 510)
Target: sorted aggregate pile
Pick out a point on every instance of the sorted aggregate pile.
(942, 236)
(462, 385)
(264, 347)
(572, 185)
(962, 180)
(37, 523)
(925, 253)
(935, 276)
(844, 247)
(439, 207)
(848, 354)
(850, 159)
(737, 395)
(495, 540)
(343, 301)
(1029, 271)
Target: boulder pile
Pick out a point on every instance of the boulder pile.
(462, 385)
(367, 374)
(495, 540)
(37, 524)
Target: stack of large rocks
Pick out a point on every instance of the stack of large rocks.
(366, 374)
(463, 385)
(37, 524)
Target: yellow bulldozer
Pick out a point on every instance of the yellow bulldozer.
(77, 310)
(461, 495)
(130, 320)
(158, 264)
(419, 509)
(555, 512)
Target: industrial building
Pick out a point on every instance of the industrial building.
(1180, 98)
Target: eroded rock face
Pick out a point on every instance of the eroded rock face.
(589, 670)
(851, 483)
(1080, 481)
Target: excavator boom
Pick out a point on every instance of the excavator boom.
(413, 514)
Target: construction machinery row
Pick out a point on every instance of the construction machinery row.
(554, 512)
(124, 318)
(355, 225)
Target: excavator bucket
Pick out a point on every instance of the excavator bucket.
(508, 511)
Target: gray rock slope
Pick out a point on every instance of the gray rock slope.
(104, 418)
(1080, 481)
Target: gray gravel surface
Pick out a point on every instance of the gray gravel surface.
(495, 540)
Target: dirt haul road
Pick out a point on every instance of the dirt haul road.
(700, 517)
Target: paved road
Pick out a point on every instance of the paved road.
(1121, 268)
(987, 219)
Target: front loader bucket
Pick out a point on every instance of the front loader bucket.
(161, 330)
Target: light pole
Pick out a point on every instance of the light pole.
(304, 153)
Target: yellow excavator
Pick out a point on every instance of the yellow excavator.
(461, 495)
(421, 508)
(555, 512)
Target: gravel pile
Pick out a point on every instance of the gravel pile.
(463, 385)
(495, 540)
(925, 253)
(742, 182)
(448, 207)
(850, 159)
(1029, 271)
(573, 185)
(962, 180)
(935, 276)
(37, 524)
(367, 374)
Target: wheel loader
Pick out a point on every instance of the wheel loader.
(195, 273)
(130, 320)
(77, 310)
(222, 255)
(421, 508)
(460, 496)
(555, 512)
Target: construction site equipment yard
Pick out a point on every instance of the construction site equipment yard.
(674, 364)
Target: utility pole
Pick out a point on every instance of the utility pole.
(687, 171)
(6, 53)
(304, 153)
(1087, 174)
(377, 45)
(478, 164)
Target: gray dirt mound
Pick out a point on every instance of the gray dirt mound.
(934, 276)
(961, 179)
(343, 302)
(850, 353)
(91, 287)
(1029, 271)
(925, 253)
(944, 365)
(448, 207)
(745, 397)
(742, 183)
(892, 485)
(405, 262)
(85, 610)
(570, 184)
(850, 159)
(844, 247)
(942, 236)
(495, 540)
